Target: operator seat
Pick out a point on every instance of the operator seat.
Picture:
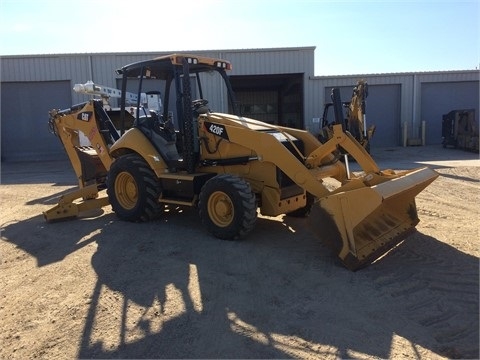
(162, 136)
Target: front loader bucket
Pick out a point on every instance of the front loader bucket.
(364, 223)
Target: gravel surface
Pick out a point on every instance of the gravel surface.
(97, 287)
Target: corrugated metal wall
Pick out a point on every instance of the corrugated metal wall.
(279, 61)
(100, 68)
(78, 68)
(410, 102)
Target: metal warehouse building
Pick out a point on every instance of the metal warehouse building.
(275, 85)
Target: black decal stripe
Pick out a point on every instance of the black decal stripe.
(216, 129)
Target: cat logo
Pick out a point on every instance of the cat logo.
(85, 116)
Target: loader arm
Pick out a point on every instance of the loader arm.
(269, 149)
(315, 166)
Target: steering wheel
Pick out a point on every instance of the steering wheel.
(196, 104)
(199, 106)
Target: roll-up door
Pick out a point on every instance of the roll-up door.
(441, 98)
(382, 110)
(24, 118)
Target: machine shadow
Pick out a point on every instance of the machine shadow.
(52, 242)
(153, 271)
(462, 178)
(277, 294)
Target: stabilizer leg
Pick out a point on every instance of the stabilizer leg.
(68, 208)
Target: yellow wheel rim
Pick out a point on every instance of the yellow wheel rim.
(220, 209)
(126, 190)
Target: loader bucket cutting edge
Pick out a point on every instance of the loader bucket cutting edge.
(363, 224)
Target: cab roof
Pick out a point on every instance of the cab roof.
(162, 67)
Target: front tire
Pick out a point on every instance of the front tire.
(227, 207)
(133, 189)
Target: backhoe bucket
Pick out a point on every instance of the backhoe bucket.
(364, 223)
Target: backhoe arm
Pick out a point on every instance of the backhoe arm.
(90, 163)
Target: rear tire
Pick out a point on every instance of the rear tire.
(133, 189)
(227, 207)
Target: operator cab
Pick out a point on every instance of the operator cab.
(178, 80)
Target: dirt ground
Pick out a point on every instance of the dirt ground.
(97, 287)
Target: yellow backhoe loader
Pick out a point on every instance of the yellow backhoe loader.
(355, 115)
(228, 166)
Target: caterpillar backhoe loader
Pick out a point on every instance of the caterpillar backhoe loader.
(355, 115)
(228, 166)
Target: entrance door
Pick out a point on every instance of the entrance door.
(275, 99)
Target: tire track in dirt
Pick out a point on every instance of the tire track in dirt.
(436, 291)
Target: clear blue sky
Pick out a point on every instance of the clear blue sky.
(351, 37)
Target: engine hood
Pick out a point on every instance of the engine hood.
(240, 121)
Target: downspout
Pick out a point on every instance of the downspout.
(414, 106)
(90, 68)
